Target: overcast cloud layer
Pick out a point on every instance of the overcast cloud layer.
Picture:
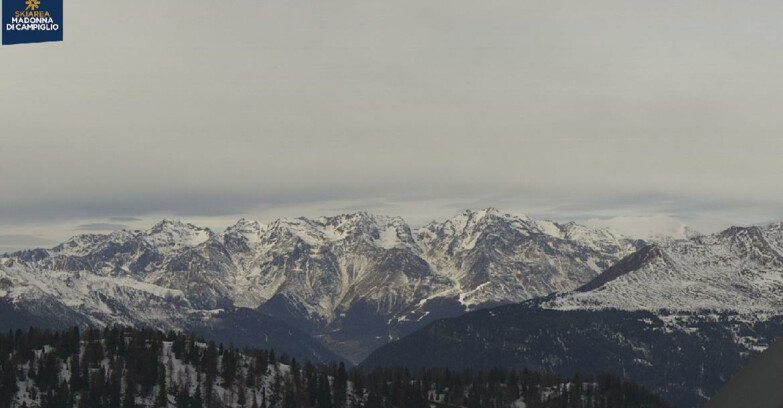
(210, 111)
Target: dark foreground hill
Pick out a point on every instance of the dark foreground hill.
(757, 385)
(680, 366)
(240, 326)
(144, 368)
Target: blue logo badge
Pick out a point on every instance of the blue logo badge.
(32, 21)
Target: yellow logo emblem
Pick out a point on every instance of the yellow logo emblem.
(33, 4)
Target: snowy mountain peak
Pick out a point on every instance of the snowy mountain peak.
(733, 235)
(776, 226)
(753, 243)
(482, 212)
(244, 223)
(301, 229)
(80, 244)
(740, 232)
(176, 234)
(167, 225)
(244, 232)
(471, 221)
(379, 230)
(491, 213)
(467, 229)
(373, 230)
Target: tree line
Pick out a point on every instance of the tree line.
(128, 368)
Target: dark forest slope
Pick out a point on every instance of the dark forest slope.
(144, 368)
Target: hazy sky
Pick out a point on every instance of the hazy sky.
(658, 112)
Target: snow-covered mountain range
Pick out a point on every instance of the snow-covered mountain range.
(353, 281)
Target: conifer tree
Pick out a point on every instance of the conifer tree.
(324, 392)
(340, 387)
(241, 395)
(197, 401)
(163, 394)
(263, 399)
(182, 397)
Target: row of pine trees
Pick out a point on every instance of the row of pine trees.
(124, 367)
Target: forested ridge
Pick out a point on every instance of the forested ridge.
(123, 367)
